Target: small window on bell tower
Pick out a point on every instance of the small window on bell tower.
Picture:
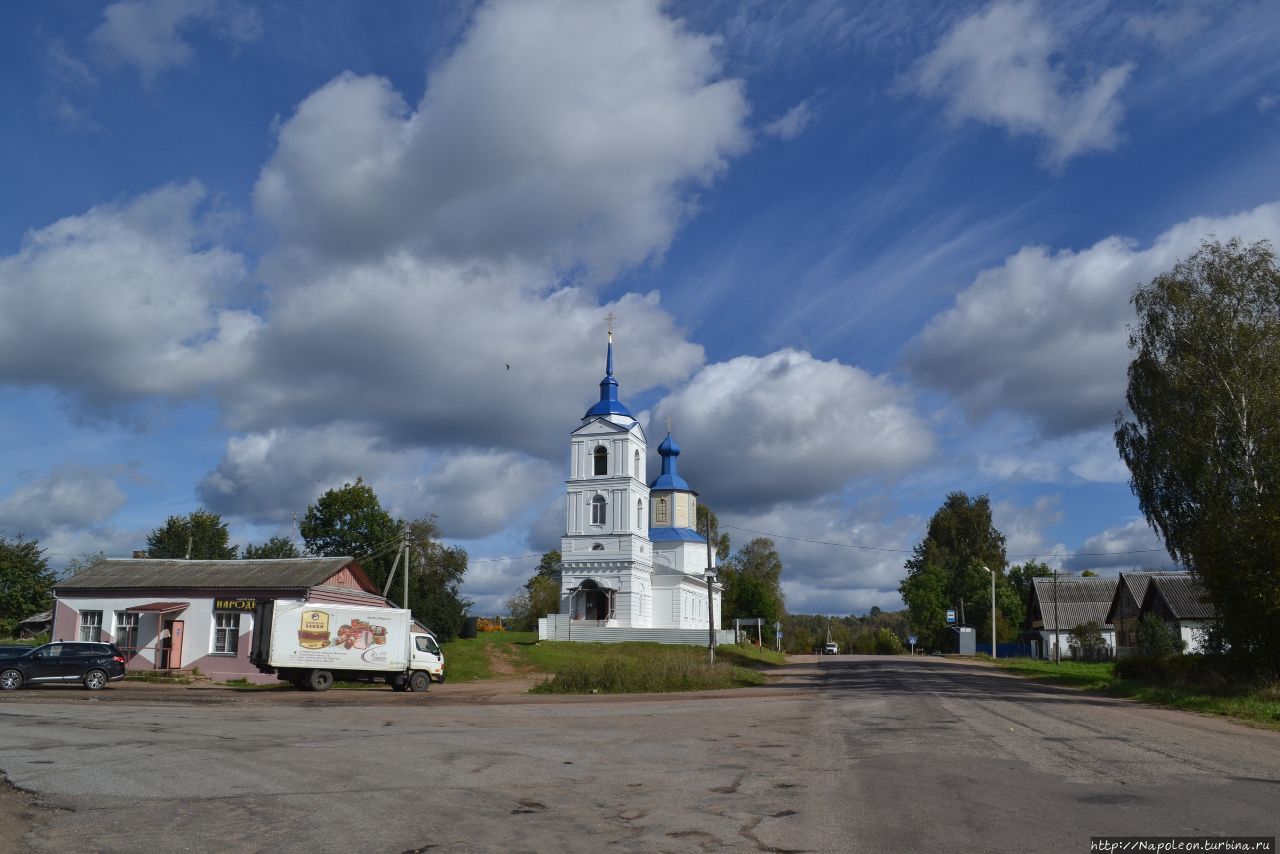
(601, 455)
(660, 511)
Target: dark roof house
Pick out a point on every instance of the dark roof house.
(1127, 602)
(1177, 597)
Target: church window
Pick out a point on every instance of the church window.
(640, 515)
(597, 510)
(661, 514)
(601, 460)
(635, 470)
(597, 547)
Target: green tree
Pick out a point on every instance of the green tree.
(1203, 444)
(549, 568)
(540, 596)
(1022, 579)
(350, 522)
(946, 567)
(1087, 642)
(719, 541)
(1088, 573)
(276, 547)
(25, 580)
(887, 643)
(1156, 639)
(752, 581)
(435, 578)
(202, 531)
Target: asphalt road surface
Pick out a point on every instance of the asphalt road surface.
(844, 754)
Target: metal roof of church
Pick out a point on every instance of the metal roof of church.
(669, 478)
(671, 535)
(608, 403)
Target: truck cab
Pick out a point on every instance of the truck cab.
(425, 655)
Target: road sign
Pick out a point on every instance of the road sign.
(951, 615)
(911, 640)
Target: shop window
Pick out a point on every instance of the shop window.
(597, 510)
(127, 631)
(226, 631)
(601, 456)
(91, 626)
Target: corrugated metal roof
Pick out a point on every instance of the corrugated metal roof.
(1136, 584)
(1184, 595)
(280, 573)
(1079, 601)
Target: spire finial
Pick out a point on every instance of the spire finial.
(668, 423)
(610, 318)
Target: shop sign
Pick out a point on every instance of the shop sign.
(235, 604)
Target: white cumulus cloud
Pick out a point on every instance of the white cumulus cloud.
(997, 66)
(1044, 334)
(149, 34)
(557, 132)
(123, 302)
(799, 427)
(68, 496)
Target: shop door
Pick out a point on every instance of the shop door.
(173, 661)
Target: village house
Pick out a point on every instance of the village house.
(187, 614)
(1062, 602)
(1126, 608)
(1180, 601)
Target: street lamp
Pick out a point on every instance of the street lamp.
(993, 612)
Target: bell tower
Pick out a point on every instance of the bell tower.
(606, 556)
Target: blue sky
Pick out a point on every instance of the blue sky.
(861, 254)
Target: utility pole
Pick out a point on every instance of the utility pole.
(993, 612)
(1057, 630)
(404, 544)
(711, 604)
(189, 538)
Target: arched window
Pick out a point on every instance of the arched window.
(597, 547)
(597, 510)
(602, 460)
(661, 514)
(635, 468)
(639, 515)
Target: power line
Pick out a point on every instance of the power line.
(910, 551)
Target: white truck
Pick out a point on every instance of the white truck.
(311, 644)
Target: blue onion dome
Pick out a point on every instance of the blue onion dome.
(669, 478)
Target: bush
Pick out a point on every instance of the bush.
(1199, 672)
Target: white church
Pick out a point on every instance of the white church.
(634, 566)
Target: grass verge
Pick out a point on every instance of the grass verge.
(1257, 705)
(467, 659)
(634, 668)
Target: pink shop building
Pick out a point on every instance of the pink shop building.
(185, 614)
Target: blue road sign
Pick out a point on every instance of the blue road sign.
(911, 640)
(951, 615)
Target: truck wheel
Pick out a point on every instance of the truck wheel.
(319, 680)
(419, 681)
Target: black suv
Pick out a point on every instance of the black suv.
(62, 662)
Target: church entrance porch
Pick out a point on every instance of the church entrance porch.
(592, 602)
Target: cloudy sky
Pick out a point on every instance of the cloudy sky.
(861, 254)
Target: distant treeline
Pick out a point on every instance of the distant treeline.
(879, 631)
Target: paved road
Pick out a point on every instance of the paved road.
(846, 754)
